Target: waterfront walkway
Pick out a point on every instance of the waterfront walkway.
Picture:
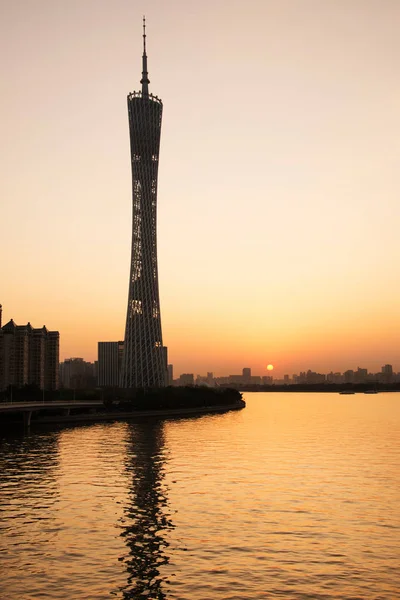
(27, 408)
(50, 405)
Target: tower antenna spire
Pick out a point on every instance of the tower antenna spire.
(144, 360)
(145, 76)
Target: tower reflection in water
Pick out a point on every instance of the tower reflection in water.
(146, 517)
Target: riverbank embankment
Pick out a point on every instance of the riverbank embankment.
(76, 414)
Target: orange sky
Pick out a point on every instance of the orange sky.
(278, 186)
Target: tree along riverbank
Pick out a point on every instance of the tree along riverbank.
(30, 393)
(170, 398)
(159, 403)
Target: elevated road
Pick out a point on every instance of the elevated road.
(27, 408)
(31, 406)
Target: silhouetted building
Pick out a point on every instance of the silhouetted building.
(29, 356)
(109, 363)
(77, 374)
(170, 374)
(144, 361)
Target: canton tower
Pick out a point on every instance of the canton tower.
(144, 362)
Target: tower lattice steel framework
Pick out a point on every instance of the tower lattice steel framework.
(144, 362)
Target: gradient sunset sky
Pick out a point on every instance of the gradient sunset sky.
(279, 182)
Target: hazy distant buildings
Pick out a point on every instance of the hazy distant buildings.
(387, 373)
(349, 376)
(247, 381)
(221, 381)
(145, 359)
(235, 379)
(186, 379)
(334, 377)
(309, 377)
(313, 377)
(246, 375)
(361, 375)
(206, 379)
(29, 355)
(109, 363)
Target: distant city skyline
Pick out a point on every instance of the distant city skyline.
(78, 375)
(356, 374)
(278, 186)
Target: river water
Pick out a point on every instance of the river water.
(296, 497)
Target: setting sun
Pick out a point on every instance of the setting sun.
(270, 367)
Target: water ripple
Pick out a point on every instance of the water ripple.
(295, 497)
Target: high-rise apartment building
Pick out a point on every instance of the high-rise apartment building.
(109, 363)
(29, 355)
(144, 361)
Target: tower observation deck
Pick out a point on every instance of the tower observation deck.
(144, 362)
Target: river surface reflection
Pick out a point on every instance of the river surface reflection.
(146, 516)
(295, 497)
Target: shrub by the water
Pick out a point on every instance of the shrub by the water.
(173, 397)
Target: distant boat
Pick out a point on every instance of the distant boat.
(347, 392)
(371, 392)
